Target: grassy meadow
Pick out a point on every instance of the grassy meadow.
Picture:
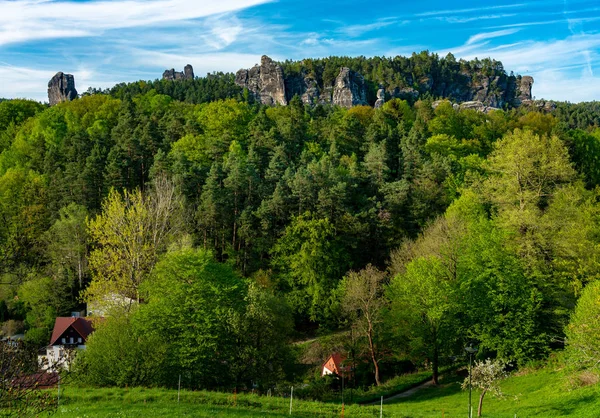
(536, 393)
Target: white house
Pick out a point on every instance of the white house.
(69, 335)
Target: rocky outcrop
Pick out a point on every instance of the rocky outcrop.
(525, 88)
(473, 105)
(186, 74)
(477, 105)
(540, 105)
(61, 88)
(349, 89)
(484, 86)
(380, 98)
(264, 81)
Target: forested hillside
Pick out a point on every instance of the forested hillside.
(232, 226)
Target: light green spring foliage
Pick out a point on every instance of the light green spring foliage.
(583, 332)
(125, 253)
(119, 354)
(191, 302)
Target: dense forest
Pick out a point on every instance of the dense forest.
(229, 227)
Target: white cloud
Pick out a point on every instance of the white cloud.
(557, 85)
(202, 63)
(358, 30)
(490, 35)
(222, 31)
(23, 20)
(455, 19)
(471, 10)
(20, 82)
(545, 61)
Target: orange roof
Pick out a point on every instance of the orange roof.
(81, 325)
(334, 363)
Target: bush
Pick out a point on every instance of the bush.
(116, 355)
(583, 332)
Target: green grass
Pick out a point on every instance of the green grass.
(541, 393)
(139, 402)
(391, 387)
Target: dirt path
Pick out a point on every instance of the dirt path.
(406, 394)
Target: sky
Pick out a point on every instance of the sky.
(105, 42)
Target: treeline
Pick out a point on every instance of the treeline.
(228, 224)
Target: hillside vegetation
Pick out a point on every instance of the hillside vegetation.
(213, 230)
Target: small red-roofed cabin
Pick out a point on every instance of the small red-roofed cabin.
(334, 366)
(69, 334)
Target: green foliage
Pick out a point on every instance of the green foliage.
(192, 303)
(582, 335)
(44, 301)
(310, 260)
(118, 354)
(309, 192)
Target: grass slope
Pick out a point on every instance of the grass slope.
(541, 393)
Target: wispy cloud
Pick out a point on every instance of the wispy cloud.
(490, 35)
(547, 22)
(23, 20)
(546, 60)
(456, 19)
(471, 10)
(358, 30)
(223, 31)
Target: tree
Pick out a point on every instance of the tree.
(68, 243)
(486, 376)
(310, 261)
(583, 332)
(422, 303)
(526, 169)
(130, 234)
(191, 305)
(20, 395)
(118, 354)
(262, 332)
(363, 299)
(44, 299)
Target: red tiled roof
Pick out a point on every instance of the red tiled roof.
(81, 325)
(335, 362)
(39, 380)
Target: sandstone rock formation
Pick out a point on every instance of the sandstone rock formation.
(61, 88)
(349, 89)
(473, 105)
(380, 98)
(187, 74)
(264, 81)
(484, 87)
(525, 88)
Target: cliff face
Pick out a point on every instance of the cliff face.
(265, 81)
(61, 88)
(187, 74)
(270, 86)
(349, 89)
(482, 84)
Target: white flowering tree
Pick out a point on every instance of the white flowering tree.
(486, 376)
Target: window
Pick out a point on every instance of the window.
(64, 340)
(79, 340)
(71, 340)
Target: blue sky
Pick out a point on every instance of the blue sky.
(106, 42)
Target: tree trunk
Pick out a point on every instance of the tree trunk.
(435, 364)
(372, 349)
(480, 403)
